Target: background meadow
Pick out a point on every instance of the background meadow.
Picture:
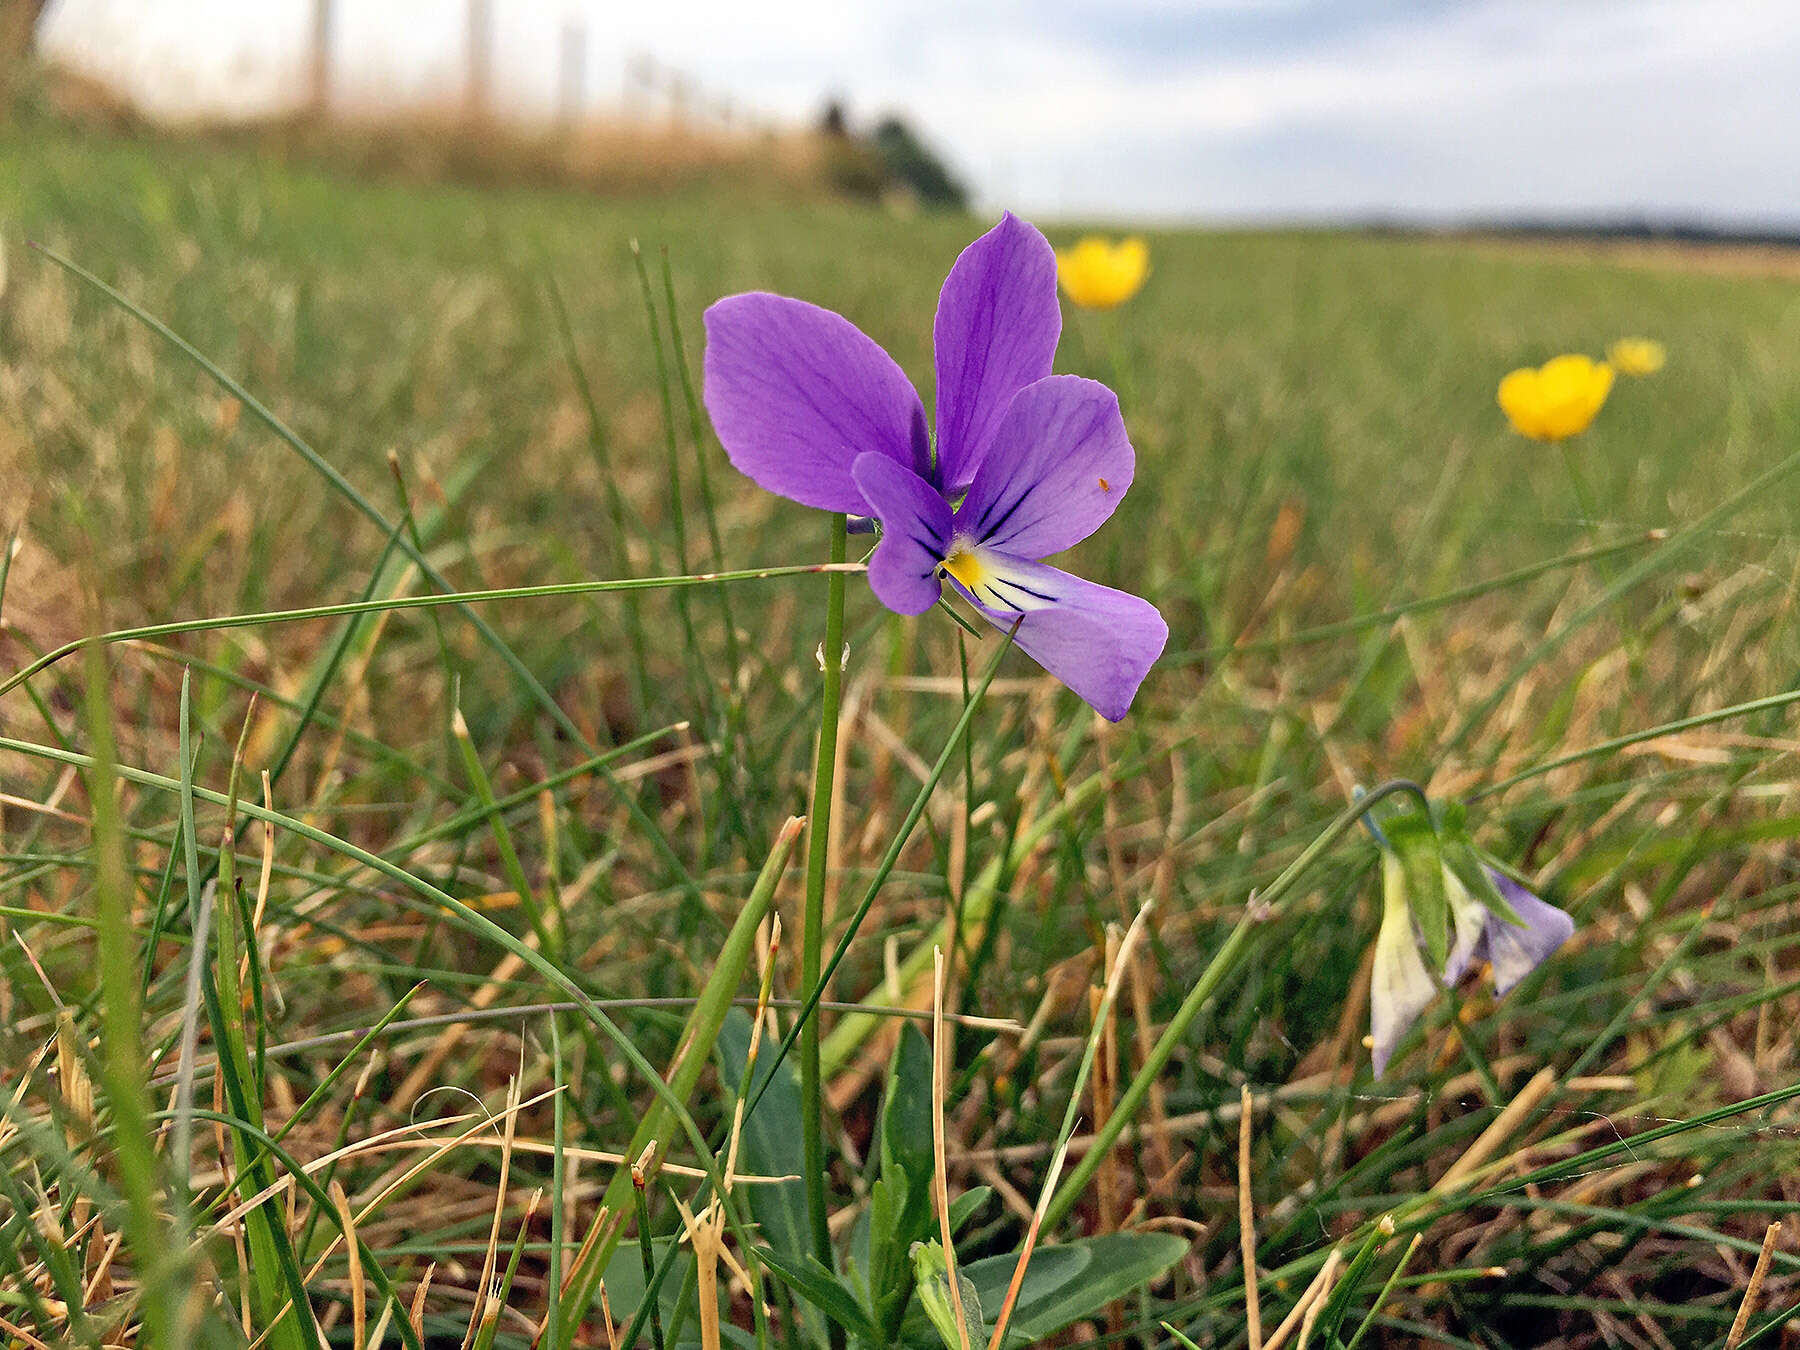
(1365, 574)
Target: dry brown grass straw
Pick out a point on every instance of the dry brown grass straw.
(1225, 1114)
(1313, 1296)
(359, 1297)
(491, 1260)
(1498, 1132)
(1754, 1289)
(1247, 1222)
(606, 1317)
(418, 1303)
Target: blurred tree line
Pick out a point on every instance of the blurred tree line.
(18, 35)
(892, 159)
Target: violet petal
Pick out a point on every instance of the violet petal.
(1055, 470)
(1468, 927)
(915, 534)
(796, 393)
(996, 330)
(1098, 641)
(1516, 951)
(1400, 986)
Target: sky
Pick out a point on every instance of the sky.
(1432, 111)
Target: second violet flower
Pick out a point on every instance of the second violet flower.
(1025, 464)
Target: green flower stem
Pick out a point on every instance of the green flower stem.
(1584, 495)
(1478, 1062)
(1200, 995)
(879, 878)
(812, 937)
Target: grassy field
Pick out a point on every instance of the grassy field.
(1366, 577)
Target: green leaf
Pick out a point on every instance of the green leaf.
(1467, 867)
(963, 1208)
(771, 1142)
(906, 1112)
(818, 1288)
(1118, 1264)
(1069, 1281)
(1416, 842)
(900, 1201)
(934, 1298)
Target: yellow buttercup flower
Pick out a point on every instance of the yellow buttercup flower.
(1637, 356)
(1556, 400)
(1099, 274)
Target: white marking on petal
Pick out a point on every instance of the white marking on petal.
(995, 579)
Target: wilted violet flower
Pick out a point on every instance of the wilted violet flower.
(1513, 950)
(1402, 984)
(1026, 463)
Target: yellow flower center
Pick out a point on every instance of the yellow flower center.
(965, 564)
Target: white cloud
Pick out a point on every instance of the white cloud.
(1144, 106)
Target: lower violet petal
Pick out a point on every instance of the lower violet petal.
(1098, 641)
(915, 533)
(1516, 951)
(1468, 926)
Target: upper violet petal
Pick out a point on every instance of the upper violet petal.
(915, 533)
(1056, 468)
(1516, 951)
(1098, 641)
(996, 330)
(796, 393)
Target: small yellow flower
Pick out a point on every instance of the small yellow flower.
(1637, 356)
(1098, 274)
(1558, 399)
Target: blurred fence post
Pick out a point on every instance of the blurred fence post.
(480, 53)
(654, 92)
(640, 81)
(574, 71)
(318, 94)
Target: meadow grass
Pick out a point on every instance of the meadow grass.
(498, 881)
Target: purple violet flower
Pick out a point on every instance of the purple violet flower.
(1026, 463)
(1402, 983)
(1512, 950)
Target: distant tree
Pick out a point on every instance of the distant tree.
(18, 28)
(18, 38)
(910, 161)
(851, 165)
